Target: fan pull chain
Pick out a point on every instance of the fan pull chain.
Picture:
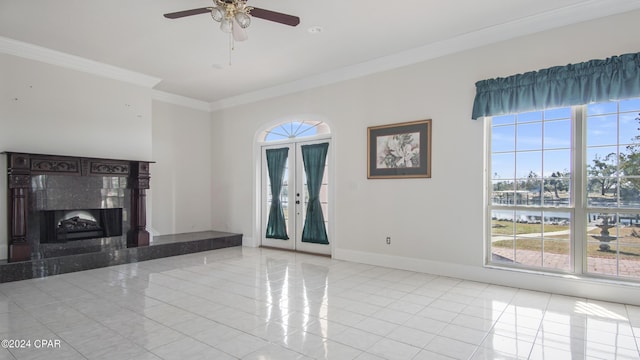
(231, 47)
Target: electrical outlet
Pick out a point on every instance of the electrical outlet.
(388, 240)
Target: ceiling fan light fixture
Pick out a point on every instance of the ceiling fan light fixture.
(226, 25)
(239, 32)
(243, 19)
(217, 14)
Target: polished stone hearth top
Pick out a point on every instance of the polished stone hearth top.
(161, 246)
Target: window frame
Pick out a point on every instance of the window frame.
(578, 207)
(542, 207)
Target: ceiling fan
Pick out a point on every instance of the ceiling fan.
(234, 16)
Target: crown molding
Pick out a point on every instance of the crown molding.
(180, 100)
(572, 14)
(49, 56)
(45, 55)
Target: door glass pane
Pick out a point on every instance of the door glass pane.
(284, 198)
(295, 129)
(324, 196)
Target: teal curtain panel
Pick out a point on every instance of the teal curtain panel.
(314, 158)
(276, 164)
(614, 78)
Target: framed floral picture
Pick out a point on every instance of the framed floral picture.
(400, 150)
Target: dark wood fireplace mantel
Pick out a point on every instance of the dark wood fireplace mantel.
(22, 166)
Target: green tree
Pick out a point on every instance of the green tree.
(502, 185)
(630, 161)
(557, 182)
(630, 166)
(533, 183)
(603, 173)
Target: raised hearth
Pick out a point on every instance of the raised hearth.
(161, 246)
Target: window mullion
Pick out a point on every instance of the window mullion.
(488, 191)
(578, 192)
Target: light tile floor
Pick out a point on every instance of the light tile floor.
(243, 303)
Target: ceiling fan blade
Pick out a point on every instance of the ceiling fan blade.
(275, 16)
(179, 14)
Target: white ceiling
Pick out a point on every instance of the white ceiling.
(190, 56)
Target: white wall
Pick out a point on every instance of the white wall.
(52, 110)
(181, 176)
(436, 224)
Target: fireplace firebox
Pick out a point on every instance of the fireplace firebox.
(58, 226)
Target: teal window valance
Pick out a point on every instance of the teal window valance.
(614, 78)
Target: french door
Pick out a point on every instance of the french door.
(295, 196)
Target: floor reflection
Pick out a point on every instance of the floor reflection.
(242, 303)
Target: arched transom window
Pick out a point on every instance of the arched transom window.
(294, 130)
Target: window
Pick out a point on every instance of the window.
(613, 188)
(565, 189)
(295, 129)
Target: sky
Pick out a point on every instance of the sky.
(292, 129)
(540, 141)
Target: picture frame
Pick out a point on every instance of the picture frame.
(399, 151)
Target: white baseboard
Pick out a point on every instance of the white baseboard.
(248, 242)
(570, 285)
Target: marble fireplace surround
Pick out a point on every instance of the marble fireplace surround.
(40, 183)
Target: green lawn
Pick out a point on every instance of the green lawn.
(506, 228)
(628, 243)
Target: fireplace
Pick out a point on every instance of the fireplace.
(59, 226)
(60, 205)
